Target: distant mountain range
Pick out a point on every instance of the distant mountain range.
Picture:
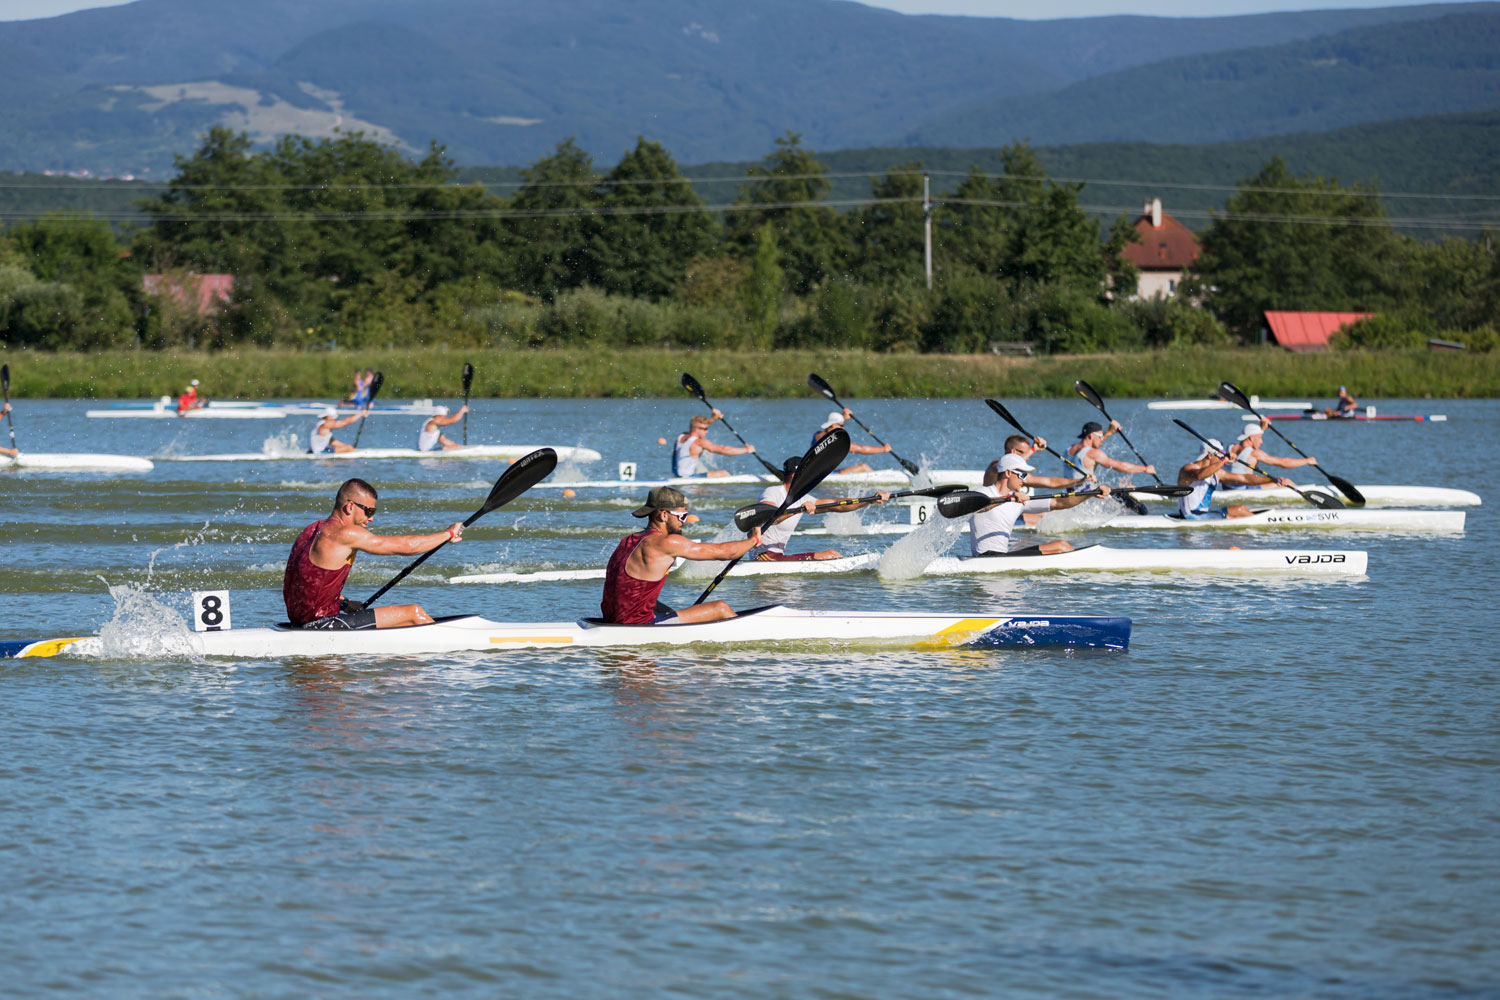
(122, 89)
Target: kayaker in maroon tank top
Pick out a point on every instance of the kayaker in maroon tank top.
(321, 557)
(641, 561)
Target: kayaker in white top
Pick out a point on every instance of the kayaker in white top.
(694, 442)
(774, 537)
(1247, 455)
(431, 436)
(1087, 453)
(12, 452)
(836, 419)
(990, 528)
(322, 440)
(1205, 474)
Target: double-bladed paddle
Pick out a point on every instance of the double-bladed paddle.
(691, 385)
(1087, 392)
(972, 501)
(375, 384)
(5, 384)
(1314, 497)
(748, 517)
(827, 390)
(517, 479)
(821, 459)
(1227, 391)
(468, 378)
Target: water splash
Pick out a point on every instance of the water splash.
(143, 626)
(281, 445)
(849, 523)
(1086, 516)
(910, 555)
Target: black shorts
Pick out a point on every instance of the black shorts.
(1034, 549)
(349, 621)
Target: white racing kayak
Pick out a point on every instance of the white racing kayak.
(201, 413)
(1099, 558)
(166, 408)
(1375, 496)
(880, 477)
(81, 462)
(503, 451)
(847, 564)
(1383, 519)
(1224, 404)
(773, 624)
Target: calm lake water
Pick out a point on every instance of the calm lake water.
(1284, 789)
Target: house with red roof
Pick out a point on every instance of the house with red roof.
(1306, 332)
(1167, 249)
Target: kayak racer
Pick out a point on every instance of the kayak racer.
(774, 538)
(1205, 474)
(640, 563)
(323, 554)
(1247, 455)
(692, 443)
(322, 439)
(836, 419)
(431, 436)
(990, 527)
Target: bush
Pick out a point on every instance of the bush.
(1173, 322)
(1384, 331)
(1482, 340)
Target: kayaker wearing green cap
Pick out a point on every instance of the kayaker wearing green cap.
(640, 563)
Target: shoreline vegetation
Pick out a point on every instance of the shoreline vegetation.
(655, 372)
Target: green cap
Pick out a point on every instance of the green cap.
(661, 498)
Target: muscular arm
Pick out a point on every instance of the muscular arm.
(869, 449)
(1063, 503)
(449, 420)
(1113, 463)
(347, 421)
(675, 546)
(719, 449)
(1245, 479)
(1285, 463)
(332, 547)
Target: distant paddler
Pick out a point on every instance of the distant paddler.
(323, 441)
(774, 539)
(1246, 454)
(361, 394)
(5, 412)
(1205, 474)
(638, 568)
(1087, 452)
(431, 436)
(836, 419)
(189, 399)
(1345, 406)
(692, 443)
(990, 528)
(312, 586)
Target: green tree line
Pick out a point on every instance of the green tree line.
(343, 242)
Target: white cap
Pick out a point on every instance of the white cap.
(1214, 447)
(1010, 463)
(193, 382)
(1253, 430)
(834, 419)
(329, 411)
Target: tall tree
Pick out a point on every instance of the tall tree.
(556, 222)
(889, 233)
(784, 192)
(652, 225)
(1288, 242)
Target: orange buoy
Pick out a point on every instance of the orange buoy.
(691, 519)
(661, 440)
(568, 493)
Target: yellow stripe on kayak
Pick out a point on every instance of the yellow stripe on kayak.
(49, 647)
(561, 640)
(959, 631)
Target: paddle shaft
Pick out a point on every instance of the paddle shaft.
(827, 390)
(1235, 396)
(468, 380)
(691, 385)
(374, 389)
(1093, 397)
(1008, 418)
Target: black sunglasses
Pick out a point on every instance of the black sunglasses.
(369, 511)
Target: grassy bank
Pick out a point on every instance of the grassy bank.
(605, 373)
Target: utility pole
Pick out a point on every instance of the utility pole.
(927, 225)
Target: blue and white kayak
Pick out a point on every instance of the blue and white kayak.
(758, 626)
(166, 408)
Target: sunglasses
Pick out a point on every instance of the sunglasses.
(1020, 474)
(369, 511)
(681, 515)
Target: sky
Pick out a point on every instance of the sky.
(18, 10)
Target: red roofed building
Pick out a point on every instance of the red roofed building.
(1304, 332)
(201, 293)
(1167, 248)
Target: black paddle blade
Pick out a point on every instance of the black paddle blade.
(757, 515)
(1345, 487)
(821, 386)
(691, 385)
(5, 380)
(1229, 393)
(517, 479)
(933, 491)
(468, 378)
(821, 459)
(375, 384)
(1157, 491)
(1323, 500)
(963, 504)
(1087, 392)
(995, 405)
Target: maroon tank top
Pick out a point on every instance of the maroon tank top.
(309, 590)
(628, 601)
